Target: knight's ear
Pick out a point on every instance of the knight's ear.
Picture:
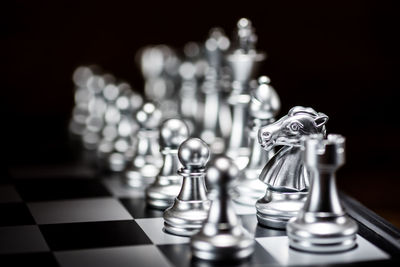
(321, 120)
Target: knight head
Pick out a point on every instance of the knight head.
(288, 131)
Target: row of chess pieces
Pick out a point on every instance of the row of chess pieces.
(208, 104)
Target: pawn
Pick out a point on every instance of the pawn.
(191, 206)
(222, 235)
(322, 225)
(147, 161)
(166, 187)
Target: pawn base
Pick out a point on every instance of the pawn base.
(141, 177)
(248, 191)
(322, 234)
(162, 196)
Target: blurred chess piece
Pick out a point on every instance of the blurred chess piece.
(212, 130)
(285, 174)
(244, 62)
(162, 193)
(147, 161)
(322, 225)
(263, 108)
(222, 236)
(191, 206)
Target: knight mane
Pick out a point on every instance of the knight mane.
(302, 110)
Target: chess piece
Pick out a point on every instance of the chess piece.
(222, 235)
(147, 161)
(162, 193)
(244, 62)
(216, 44)
(285, 175)
(264, 106)
(190, 208)
(322, 225)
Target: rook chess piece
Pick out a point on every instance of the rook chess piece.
(285, 175)
(190, 208)
(322, 225)
(162, 192)
(222, 236)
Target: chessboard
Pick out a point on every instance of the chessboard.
(71, 215)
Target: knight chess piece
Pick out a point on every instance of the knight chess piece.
(285, 174)
(244, 62)
(222, 235)
(191, 206)
(322, 225)
(147, 161)
(166, 187)
(264, 106)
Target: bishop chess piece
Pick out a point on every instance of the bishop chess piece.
(162, 193)
(322, 225)
(222, 236)
(244, 62)
(147, 160)
(190, 208)
(264, 106)
(285, 174)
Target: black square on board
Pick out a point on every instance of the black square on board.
(138, 209)
(93, 235)
(42, 259)
(15, 214)
(60, 188)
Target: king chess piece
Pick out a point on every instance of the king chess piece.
(222, 236)
(190, 208)
(244, 62)
(161, 194)
(322, 225)
(264, 106)
(285, 174)
(147, 160)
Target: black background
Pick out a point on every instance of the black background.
(339, 57)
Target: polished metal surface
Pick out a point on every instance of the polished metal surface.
(322, 225)
(285, 175)
(244, 62)
(263, 107)
(162, 193)
(191, 206)
(222, 236)
(147, 161)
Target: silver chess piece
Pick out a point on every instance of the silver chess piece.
(162, 193)
(222, 235)
(263, 108)
(147, 161)
(212, 130)
(322, 225)
(285, 174)
(191, 206)
(244, 62)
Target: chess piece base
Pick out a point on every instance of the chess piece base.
(185, 218)
(275, 209)
(160, 196)
(140, 177)
(322, 233)
(248, 191)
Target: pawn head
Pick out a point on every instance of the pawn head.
(194, 153)
(221, 172)
(172, 133)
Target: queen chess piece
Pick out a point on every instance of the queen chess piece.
(285, 174)
(244, 62)
(322, 225)
(147, 161)
(190, 208)
(162, 193)
(222, 236)
(264, 106)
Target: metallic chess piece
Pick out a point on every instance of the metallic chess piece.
(244, 62)
(264, 106)
(285, 175)
(322, 225)
(191, 206)
(222, 235)
(162, 193)
(216, 44)
(147, 161)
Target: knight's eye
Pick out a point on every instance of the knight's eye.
(294, 126)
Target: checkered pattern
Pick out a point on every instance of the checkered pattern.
(84, 220)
